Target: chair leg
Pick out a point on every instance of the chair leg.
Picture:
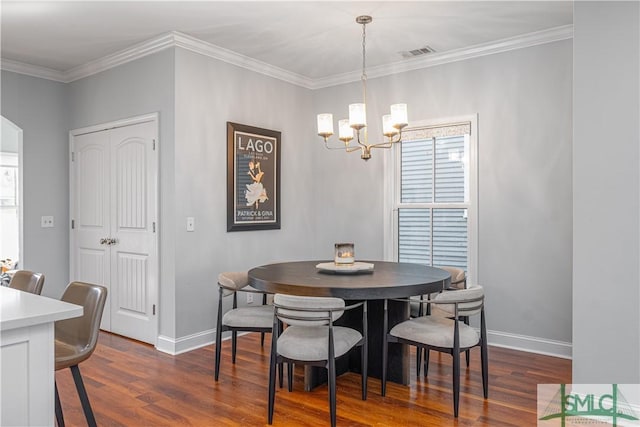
(58, 406)
(456, 382)
(385, 345)
(467, 353)
(332, 390)
(218, 349)
(272, 386)
(365, 368)
(84, 399)
(281, 374)
(234, 346)
(485, 369)
(484, 356)
(290, 367)
(418, 360)
(218, 335)
(264, 302)
(426, 361)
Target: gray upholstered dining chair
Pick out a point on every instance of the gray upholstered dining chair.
(27, 281)
(444, 334)
(458, 281)
(76, 339)
(242, 319)
(311, 338)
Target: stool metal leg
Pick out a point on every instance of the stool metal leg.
(84, 399)
(59, 415)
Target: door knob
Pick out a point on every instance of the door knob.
(103, 241)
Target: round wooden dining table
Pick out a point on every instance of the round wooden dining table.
(385, 281)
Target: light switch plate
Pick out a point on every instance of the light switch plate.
(46, 222)
(191, 223)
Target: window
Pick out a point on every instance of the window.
(435, 195)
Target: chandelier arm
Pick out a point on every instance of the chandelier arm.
(342, 147)
(387, 144)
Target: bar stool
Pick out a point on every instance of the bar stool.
(27, 281)
(76, 339)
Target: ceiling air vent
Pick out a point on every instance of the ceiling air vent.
(417, 52)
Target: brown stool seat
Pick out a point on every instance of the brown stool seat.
(68, 355)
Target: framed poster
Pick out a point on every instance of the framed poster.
(253, 178)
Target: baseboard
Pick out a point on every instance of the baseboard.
(187, 343)
(496, 338)
(530, 344)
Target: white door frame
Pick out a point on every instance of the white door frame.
(18, 130)
(151, 117)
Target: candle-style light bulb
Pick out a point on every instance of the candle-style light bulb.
(399, 116)
(357, 116)
(387, 126)
(345, 132)
(325, 125)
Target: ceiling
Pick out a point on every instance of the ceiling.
(312, 39)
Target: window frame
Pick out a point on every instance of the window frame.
(393, 194)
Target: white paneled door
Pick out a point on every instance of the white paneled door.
(114, 211)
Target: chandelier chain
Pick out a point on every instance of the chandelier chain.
(364, 51)
(364, 75)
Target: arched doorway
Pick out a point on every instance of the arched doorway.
(11, 229)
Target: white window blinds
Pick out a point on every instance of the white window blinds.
(434, 196)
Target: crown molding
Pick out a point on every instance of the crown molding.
(32, 70)
(212, 51)
(177, 39)
(431, 60)
(129, 54)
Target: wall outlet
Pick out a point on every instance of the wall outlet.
(249, 298)
(46, 222)
(191, 223)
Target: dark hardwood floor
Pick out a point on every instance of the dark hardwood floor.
(132, 384)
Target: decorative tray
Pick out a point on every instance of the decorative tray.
(355, 268)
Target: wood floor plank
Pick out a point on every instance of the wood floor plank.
(132, 384)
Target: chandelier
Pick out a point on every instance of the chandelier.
(392, 124)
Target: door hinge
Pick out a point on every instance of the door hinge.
(154, 145)
(154, 227)
(73, 156)
(154, 309)
(73, 224)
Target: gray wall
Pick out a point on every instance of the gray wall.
(524, 105)
(39, 107)
(606, 331)
(208, 94)
(136, 88)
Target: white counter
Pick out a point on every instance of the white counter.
(27, 356)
